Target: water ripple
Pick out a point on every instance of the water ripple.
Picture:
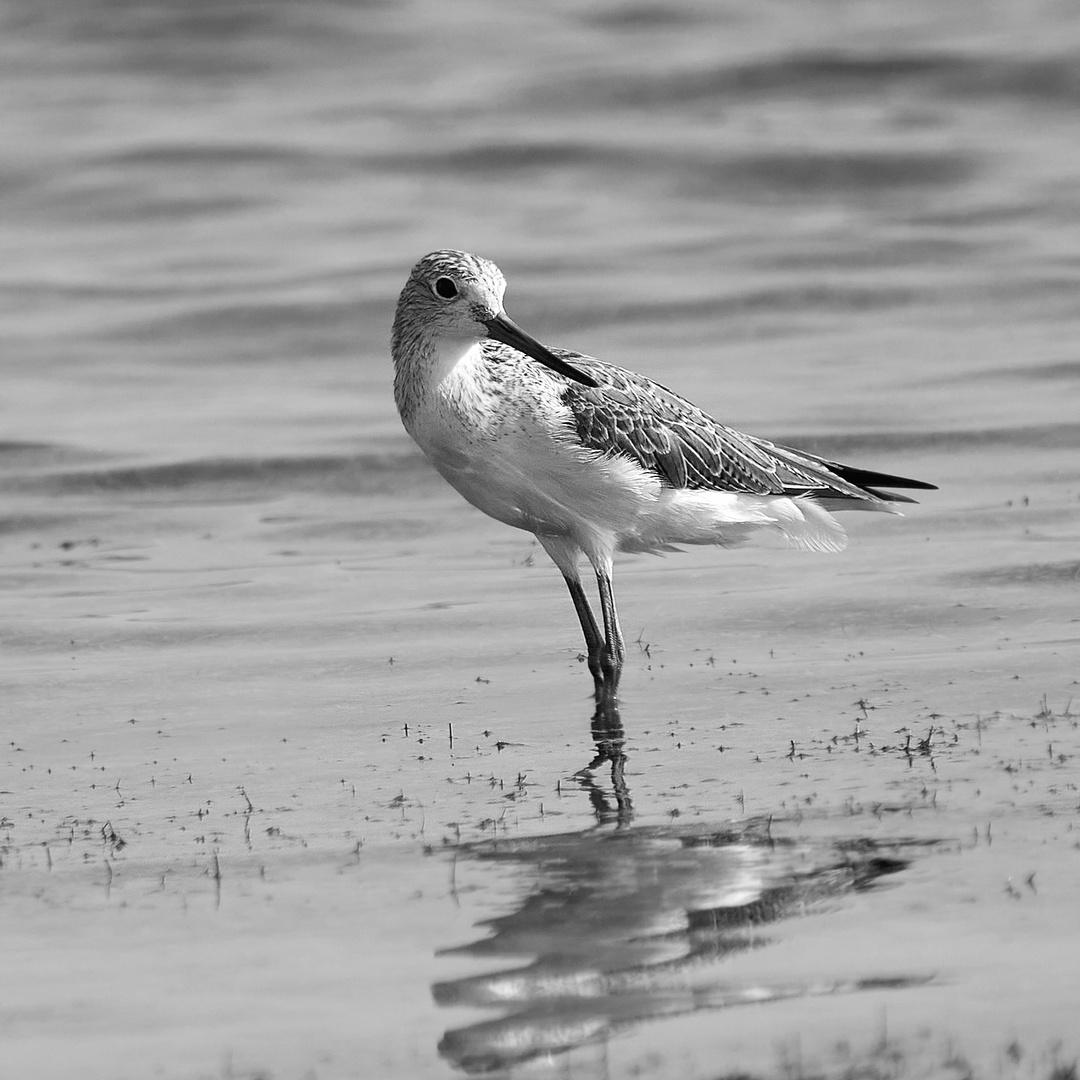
(240, 477)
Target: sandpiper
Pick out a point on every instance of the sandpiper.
(590, 457)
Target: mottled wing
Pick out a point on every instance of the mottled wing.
(632, 415)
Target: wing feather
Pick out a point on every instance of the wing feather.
(686, 448)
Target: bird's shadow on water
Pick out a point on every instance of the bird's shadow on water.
(626, 924)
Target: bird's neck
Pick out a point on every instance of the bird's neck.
(423, 363)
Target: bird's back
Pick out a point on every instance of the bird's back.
(632, 415)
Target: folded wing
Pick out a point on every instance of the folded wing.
(632, 415)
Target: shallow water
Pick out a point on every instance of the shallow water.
(291, 732)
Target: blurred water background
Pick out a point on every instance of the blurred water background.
(207, 208)
(854, 224)
(850, 223)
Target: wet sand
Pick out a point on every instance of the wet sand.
(301, 776)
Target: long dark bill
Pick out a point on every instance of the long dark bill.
(503, 328)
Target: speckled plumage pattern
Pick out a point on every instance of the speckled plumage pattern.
(687, 448)
(590, 457)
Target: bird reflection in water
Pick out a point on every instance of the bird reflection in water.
(629, 924)
(610, 738)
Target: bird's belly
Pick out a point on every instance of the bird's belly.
(553, 486)
(546, 483)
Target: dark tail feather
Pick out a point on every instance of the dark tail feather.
(869, 480)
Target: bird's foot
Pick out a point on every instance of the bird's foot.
(606, 668)
(606, 693)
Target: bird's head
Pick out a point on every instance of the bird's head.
(457, 296)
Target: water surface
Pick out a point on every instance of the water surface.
(291, 732)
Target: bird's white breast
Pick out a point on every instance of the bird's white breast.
(507, 443)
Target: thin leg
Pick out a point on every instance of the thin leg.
(614, 651)
(594, 641)
(565, 554)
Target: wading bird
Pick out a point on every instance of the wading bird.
(590, 457)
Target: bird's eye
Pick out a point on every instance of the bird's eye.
(445, 287)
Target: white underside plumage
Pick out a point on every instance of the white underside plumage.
(527, 469)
